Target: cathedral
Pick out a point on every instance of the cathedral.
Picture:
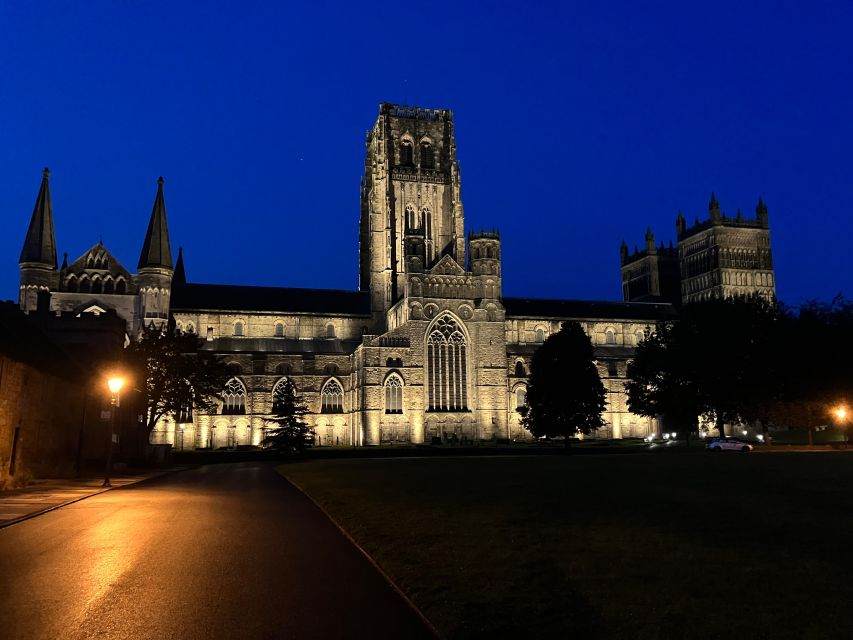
(427, 350)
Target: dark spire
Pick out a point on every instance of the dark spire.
(714, 208)
(64, 261)
(40, 243)
(155, 249)
(623, 251)
(650, 240)
(180, 276)
(680, 225)
(761, 212)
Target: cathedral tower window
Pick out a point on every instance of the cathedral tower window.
(406, 155)
(447, 363)
(330, 330)
(279, 330)
(238, 328)
(520, 397)
(412, 221)
(393, 394)
(234, 398)
(519, 370)
(332, 397)
(427, 156)
(540, 335)
(609, 337)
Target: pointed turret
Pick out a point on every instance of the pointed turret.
(761, 213)
(714, 208)
(180, 276)
(155, 250)
(680, 225)
(623, 251)
(650, 241)
(40, 243)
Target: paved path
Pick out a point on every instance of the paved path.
(49, 494)
(223, 551)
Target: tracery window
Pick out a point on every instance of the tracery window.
(279, 393)
(406, 156)
(233, 398)
(447, 376)
(332, 397)
(393, 394)
(412, 221)
(427, 156)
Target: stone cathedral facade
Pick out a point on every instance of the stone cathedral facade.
(426, 350)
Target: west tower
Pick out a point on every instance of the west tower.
(411, 189)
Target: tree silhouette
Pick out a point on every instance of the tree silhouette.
(565, 395)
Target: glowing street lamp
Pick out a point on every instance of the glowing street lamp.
(114, 384)
(840, 413)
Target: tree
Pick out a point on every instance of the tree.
(288, 431)
(565, 395)
(177, 375)
(661, 382)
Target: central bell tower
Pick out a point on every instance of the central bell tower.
(411, 188)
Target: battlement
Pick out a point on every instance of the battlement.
(494, 234)
(723, 221)
(414, 113)
(639, 254)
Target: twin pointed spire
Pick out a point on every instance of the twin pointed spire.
(40, 242)
(156, 251)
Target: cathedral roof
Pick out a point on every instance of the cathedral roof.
(587, 309)
(40, 243)
(223, 297)
(156, 251)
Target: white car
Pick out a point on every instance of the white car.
(728, 444)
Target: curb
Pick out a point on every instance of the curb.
(369, 558)
(36, 514)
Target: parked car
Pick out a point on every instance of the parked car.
(728, 444)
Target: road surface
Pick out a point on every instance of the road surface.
(224, 551)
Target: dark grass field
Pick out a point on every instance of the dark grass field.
(684, 545)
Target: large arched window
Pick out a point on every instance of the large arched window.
(412, 221)
(447, 366)
(393, 394)
(332, 397)
(427, 156)
(279, 394)
(234, 398)
(520, 397)
(406, 156)
(121, 286)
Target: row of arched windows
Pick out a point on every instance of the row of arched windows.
(95, 285)
(407, 156)
(240, 329)
(419, 220)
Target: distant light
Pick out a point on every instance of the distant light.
(841, 413)
(666, 436)
(744, 432)
(760, 437)
(673, 434)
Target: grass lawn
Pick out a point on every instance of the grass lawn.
(677, 545)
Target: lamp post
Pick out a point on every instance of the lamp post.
(114, 383)
(841, 415)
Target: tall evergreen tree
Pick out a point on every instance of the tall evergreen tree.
(565, 395)
(288, 431)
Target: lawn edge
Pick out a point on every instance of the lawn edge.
(354, 542)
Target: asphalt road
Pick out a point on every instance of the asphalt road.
(224, 551)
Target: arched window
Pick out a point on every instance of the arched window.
(393, 394)
(520, 397)
(540, 335)
(85, 287)
(109, 286)
(519, 369)
(447, 376)
(190, 327)
(238, 328)
(412, 221)
(427, 157)
(279, 330)
(406, 156)
(332, 397)
(96, 285)
(426, 221)
(121, 286)
(609, 337)
(279, 394)
(234, 398)
(71, 284)
(330, 331)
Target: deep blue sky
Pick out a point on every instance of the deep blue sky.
(577, 126)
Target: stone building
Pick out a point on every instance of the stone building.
(428, 349)
(719, 257)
